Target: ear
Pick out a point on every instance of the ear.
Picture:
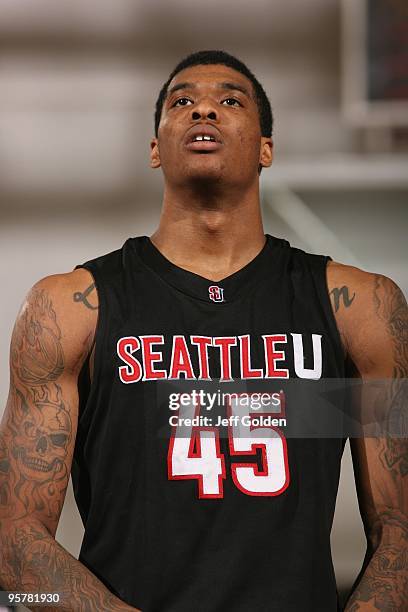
(266, 152)
(154, 153)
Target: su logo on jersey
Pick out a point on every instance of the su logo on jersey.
(216, 293)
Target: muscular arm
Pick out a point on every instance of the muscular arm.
(374, 328)
(51, 338)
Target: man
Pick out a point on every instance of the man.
(182, 514)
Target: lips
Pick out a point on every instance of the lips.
(203, 146)
(203, 138)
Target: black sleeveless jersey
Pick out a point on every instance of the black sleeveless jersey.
(191, 500)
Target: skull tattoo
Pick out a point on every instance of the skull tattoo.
(41, 447)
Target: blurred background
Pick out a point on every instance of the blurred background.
(78, 85)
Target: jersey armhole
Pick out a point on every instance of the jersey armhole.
(98, 343)
(331, 319)
(323, 288)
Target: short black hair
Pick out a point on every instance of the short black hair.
(220, 57)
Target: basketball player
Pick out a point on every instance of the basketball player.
(208, 520)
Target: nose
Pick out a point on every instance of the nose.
(42, 445)
(204, 109)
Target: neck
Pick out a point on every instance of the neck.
(210, 233)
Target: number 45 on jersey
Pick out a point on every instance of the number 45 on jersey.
(194, 453)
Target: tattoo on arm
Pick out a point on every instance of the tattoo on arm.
(343, 293)
(385, 587)
(82, 296)
(384, 583)
(391, 307)
(39, 428)
(40, 564)
(34, 468)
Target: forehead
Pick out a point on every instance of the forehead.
(211, 74)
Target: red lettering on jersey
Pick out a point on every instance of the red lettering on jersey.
(246, 370)
(180, 359)
(132, 371)
(202, 342)
(272, 356)
(225, 343)
(150, 357)
(216, 293)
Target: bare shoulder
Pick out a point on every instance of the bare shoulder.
(356, 291)
(370, 310)
(63, 306)
(52, 336)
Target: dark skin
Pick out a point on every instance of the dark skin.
(211, 199)
(53, 334)
(374, 329)
(211, 225)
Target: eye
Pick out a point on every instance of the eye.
(182, 102)
(231, 102)
(58, 439)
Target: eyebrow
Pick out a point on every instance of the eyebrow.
(235, 86)
(180, 86)
(225, 86)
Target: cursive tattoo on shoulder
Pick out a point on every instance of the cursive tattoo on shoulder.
(340, 296)
(82, 296)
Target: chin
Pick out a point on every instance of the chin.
(203, 171)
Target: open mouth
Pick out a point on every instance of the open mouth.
(203, 138)
(203, 143)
